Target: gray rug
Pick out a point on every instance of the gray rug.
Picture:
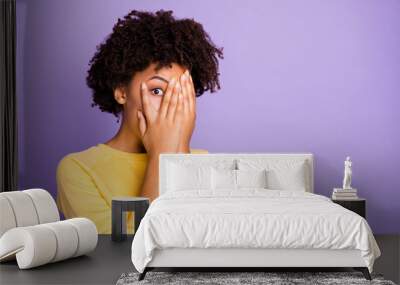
(228, 278)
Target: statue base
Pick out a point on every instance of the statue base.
(344, 190)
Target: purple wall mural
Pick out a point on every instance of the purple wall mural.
(298, 76)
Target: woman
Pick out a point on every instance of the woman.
(149, 71)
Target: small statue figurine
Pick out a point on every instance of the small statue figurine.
(347, 174)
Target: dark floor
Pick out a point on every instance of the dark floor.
(389, 262)
(110, 260)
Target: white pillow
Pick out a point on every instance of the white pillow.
(254, 178)
(282, 174)
(223, 179)
(182, 177)
(236, 179)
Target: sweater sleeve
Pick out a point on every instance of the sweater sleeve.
(79, 196)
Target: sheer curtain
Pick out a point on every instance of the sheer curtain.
(8, 108)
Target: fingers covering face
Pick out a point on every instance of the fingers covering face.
(167, 98)
(174, 102)
(179, 108)
(142, 123)
(192, 101)
(147, 109)
(170, 101)
(185, 91)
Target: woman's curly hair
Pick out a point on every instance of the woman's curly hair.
(142, 38)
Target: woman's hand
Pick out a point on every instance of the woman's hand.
(161, 130)
(167, 129)
(189, 111)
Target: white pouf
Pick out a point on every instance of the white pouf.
(24, 211)
(45, 205)
(37, 245)
(7, 219)
(31, 230)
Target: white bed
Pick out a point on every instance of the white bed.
(284, 225)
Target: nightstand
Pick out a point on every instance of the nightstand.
(358, 206)
(121, 205)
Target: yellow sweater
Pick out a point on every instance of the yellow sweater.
(87, 181)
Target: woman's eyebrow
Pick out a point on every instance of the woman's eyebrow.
(159, 78)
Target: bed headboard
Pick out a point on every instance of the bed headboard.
(210, 157)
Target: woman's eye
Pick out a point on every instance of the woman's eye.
(157, 91)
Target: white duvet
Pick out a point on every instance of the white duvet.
(250, 218)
